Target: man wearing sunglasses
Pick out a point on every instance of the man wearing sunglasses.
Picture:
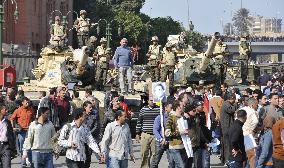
(123, 61)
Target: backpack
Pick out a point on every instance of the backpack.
(57, 149)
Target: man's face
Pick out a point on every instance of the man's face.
(155, 42)
(255, 96)
(25, 103)
(274, 90)
(4, 111)
(255, 106)
(150, 102)
(122, 118)
(185, 99)
(88, 109)
(263, 100)
(123, 43)
(275, 100)
(223, 89)
(104, 44)
(169, 108)
(232, 100)
(45, 115)
(199, 108)
(281, 102)
(83, 15)
(192, 112)
(61, 93)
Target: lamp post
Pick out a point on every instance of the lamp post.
(108, 30)
(16, 17)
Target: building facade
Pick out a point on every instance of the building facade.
(34, 21)
(262, 25)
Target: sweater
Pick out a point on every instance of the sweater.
(175, 141)
(123, 57)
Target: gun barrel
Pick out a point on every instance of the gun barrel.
(212, 44)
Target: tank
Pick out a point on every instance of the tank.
(58, 68)
(201, 66)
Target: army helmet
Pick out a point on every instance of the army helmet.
(57, 18)
(93, 39)
(83, 12)
(103, 40)
(168, 45)
(155, 38)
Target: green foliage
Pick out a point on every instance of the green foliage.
(242, 21)
(196, 40)
(131, 23)
(163, 27)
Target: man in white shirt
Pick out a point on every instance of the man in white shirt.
(117, 142)
(75, 141)
(250, 126)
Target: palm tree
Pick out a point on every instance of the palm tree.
(242, 21)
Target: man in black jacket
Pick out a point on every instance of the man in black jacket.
(237, 156)
(7, 141)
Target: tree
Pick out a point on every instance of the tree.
(196, 40)
(242, 21)
(228, 29)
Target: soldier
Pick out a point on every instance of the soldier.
(92, 45)
(82, 25)
(245, 51)
(102, 57)
(154, 54)
(58, 34)
(168, 62)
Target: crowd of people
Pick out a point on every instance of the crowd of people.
(253, 38)
(245, 129)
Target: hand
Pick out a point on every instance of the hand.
(132, 158)
(137, 138)
(235, 152)
(74, 146)
(24, 157)
(102, 157)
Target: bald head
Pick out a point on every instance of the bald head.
(123, 42)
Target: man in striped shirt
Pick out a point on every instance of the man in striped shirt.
(144, 131)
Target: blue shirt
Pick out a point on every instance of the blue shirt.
(123, 57)
(157, 129)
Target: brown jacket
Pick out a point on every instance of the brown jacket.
(278, 150)
(216, 103)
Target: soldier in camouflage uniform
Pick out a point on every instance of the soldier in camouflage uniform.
(58, 34)
(245, 51)
(82, 25)
(102, 57)
(154, 56)
(168, 62)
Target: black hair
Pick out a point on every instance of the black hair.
(188, 108)
(85, 104)
(118, 113)
(176, 104)
(273, 94)
(21, 93)
(77, 113)
(25, 98)
(89, 91)
(42, 110)
(181, 96)
(248, 90)
(43, 93)
(76, 94)
(2, 106)
(225, 85)
(52, 91)
(241, 114)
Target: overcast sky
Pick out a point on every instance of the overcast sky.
(208, 15)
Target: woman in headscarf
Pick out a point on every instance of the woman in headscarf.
(265, 148)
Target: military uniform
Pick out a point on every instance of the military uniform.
(102, 55)
(153, 61)
(169, 60)
(245, 51)
(83, 29)
(58, 34)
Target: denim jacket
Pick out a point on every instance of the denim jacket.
(265, 149)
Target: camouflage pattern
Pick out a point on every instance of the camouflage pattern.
(82, 25)
(245, 51)
(58, 34)
(154, 56)
(169, 60)
(102, 57)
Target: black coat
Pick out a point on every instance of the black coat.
(236, 138)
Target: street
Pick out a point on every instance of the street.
(60, 163)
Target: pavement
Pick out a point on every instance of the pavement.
(60, 163)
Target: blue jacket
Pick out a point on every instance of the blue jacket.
(157, 129)
(123, 57)
(265, 149)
